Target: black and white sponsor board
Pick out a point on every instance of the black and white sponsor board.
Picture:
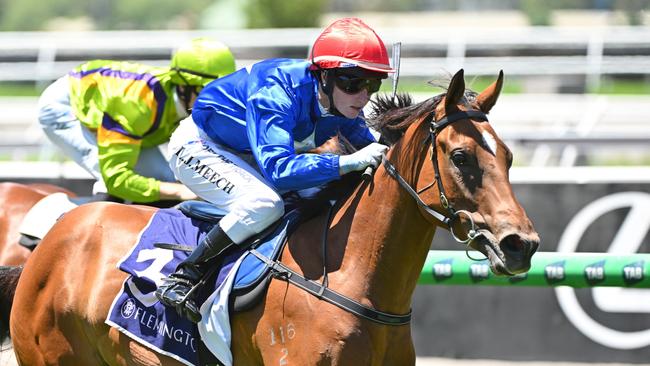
(550, 324)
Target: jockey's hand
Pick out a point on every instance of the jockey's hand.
(368, 156)
(175, 191)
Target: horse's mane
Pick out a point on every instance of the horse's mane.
(391, 116)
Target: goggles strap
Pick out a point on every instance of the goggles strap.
(181, 70)
(326, 81)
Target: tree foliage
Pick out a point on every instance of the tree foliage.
(538, 12)
(157, 14)
(633, 10)
(25, 15)
(284, 14)
(33, 15)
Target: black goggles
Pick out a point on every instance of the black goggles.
(354, 84)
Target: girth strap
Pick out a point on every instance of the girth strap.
(282, 272)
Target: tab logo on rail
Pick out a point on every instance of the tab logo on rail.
(618, 301)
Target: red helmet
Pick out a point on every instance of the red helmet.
(349, 42)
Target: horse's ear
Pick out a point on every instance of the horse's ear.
(456, 89)
(489, 96)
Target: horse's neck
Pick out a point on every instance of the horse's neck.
(387, 244)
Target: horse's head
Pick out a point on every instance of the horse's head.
(458, 168)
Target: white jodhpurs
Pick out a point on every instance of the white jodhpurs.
(79, 143)
(63, 128)
(226, 179)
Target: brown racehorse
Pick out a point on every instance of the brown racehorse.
(377, 243)
(16, 201)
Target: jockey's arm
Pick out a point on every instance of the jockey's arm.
(175, 191)
(118, 155)
(357, 133)
(117, 162)
(271, 116)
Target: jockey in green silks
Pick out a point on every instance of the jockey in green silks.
(111, 116)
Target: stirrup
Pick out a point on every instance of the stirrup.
(186, 306)
(189, 310)
(170, 284)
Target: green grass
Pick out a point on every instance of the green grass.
(620, 160)
(516, 85)
(512, 85)
(19, 90)
(637, 87)
(56, 156)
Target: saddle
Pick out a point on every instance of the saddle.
(253, 277)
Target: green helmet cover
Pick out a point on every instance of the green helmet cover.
(200, 62)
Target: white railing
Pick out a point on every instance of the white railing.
(543, 175)
(582, 51)
(543, 129)
(543, 125)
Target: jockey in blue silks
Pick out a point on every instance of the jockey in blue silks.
(245, 142)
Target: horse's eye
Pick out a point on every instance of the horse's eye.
(459, 158)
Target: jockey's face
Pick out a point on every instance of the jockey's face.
(350, 105)
(351, 89)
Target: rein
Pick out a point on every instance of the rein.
(323, 292)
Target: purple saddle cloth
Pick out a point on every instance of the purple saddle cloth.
(136, 311)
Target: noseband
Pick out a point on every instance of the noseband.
(452, 214)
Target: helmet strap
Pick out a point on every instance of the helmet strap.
(185, 94)
(185, 91)
(327, 85)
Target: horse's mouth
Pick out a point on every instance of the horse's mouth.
(509, 256)
(497, 263)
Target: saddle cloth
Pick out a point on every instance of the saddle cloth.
(136, 312)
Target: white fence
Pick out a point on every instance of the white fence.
(542, 129)
(545, 129)
(44, 56)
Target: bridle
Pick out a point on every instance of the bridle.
(451, 215)
(323, 292)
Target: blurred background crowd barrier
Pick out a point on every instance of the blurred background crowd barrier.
(555, 109)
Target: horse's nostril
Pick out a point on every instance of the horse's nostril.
(512, 244)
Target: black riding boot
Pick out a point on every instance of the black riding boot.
(175, 291)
